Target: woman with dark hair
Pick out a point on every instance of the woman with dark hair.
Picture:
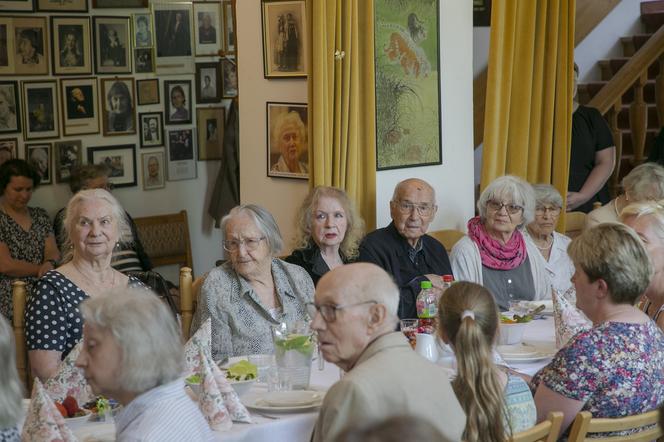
(27, 243)
(179, 101)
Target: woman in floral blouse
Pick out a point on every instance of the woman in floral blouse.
(616, 368)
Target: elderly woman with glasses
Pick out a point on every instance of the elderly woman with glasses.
(495, 253)
(253, 290)
(551, 244)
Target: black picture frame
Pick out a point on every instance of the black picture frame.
(118, 121)
(68, 154)
(13, 6)
(181, 114)
(144, 60)
(151, 137)
(229, 83)
(119, 4)
(208, 91)
(147, 91)
(121, 161)
(10, 106)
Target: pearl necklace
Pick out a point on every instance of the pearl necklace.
(548, 246)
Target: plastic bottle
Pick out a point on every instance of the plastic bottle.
(427, 309)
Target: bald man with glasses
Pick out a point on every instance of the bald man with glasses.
(403, 249)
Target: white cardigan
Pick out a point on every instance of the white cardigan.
(467, 265)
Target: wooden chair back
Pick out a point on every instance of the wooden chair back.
(166, 238)
(19, 296)
(646, 426)
(546, 431)
(189, 290)
(574, 223)
(447, 237)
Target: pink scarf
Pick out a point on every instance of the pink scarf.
(495, 255)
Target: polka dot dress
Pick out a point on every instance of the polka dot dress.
(52, 318)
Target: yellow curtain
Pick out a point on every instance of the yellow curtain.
(528, 123)
(342, 142)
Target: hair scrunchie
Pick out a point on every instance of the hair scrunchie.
(468, 314)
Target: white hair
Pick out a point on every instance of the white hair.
(264, 221)
(513, 189)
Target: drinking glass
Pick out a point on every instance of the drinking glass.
(263, 363)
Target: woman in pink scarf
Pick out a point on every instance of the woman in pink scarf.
(495, 253)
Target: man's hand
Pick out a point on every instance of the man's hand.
(575, 199)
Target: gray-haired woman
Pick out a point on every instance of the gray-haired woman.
(94, 223)
(11, 392)
(551, 244)
(643, 183)
(132, 352)
(253, 290)
(495, 254)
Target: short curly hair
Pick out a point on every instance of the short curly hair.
(17, 167)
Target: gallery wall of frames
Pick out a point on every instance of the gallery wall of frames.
(140, 86)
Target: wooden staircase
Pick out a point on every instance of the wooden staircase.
(630, 93)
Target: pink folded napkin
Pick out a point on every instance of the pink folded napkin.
(69, 380)
(44, 423)
(202, 339)
(569, 320)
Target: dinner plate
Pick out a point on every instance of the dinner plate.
(516, 351)
(257, 401)
(292, 398)
(534, 358)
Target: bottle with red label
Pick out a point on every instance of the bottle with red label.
(427, 308)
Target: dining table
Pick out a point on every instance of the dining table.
(298, 426)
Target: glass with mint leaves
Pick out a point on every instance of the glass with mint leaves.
(293, 350)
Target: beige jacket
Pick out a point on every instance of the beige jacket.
(390, 379)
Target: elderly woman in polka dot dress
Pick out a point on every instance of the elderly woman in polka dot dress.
(94, 224)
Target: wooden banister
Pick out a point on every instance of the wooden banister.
(186, 300)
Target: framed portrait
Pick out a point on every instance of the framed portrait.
(112, 45)
(17, 5)
(116, 4)
(30, 48)
(62, 5)
(152, 129)
(148, 91)
(177, 101)
(10, 116)
(68, 154)
(208, 82)
(118, 110)
(284, 38)
(7, 46)
(143, 60)
(152, 165)
(229, 27)
(287, 153)
(40, 156)
(208, 36)
(72, 53)
(40, 110)
(173, 24)
(142, 26)
(79, 98)
(181, 161)
(120, 160)
(210, 122)
(8, 149)
(228, 78)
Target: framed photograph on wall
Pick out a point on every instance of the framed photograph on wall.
(79, 97)
(177, 101)
(62, 5)
(72, 53)
(173, 24)
(8, 149)
(115, 4)
(228, 78)
(7, 46)
(17, 6)
(10, 116)
(152, 129)
(210, 122)
(142, 26)
(148, 91)
(68, 154)
(284, 38)
(120, 160)
(229, 27)
(287, 153)
(208, 35)
(208, 82)
(118, 111)
(112, 38)
(40, 110)
(152, 165)
(181, 161)
(30, 51)
(40, 156)
(143, 60)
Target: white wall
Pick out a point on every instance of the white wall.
(453, 180)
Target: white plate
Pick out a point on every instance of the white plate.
(516, 351)
(292, 398)
(256, 401)
(533, 358)
(75, 422)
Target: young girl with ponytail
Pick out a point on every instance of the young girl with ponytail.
(497, 403)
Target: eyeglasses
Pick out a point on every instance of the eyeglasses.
(497, 206)
(541, 210)
(329, 311)
(251, 244)
(406, 207)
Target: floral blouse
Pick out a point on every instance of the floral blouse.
(615, 368)
(24, 245)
